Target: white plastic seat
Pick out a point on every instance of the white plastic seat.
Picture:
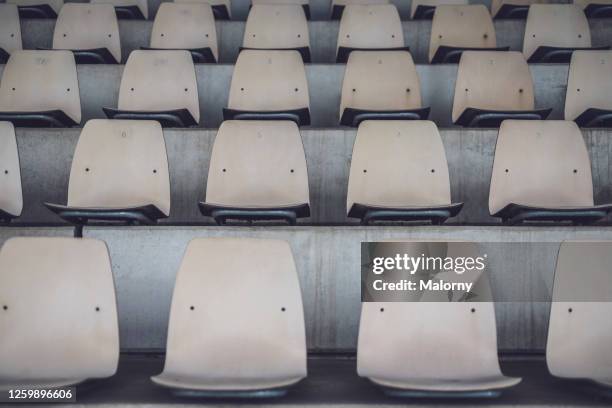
(580, 330)
(511, 9)
(494, 86)
(11, 198)
(40, 89)
(369, 27)
(10, 31)
(595, 8)
(456, 29)
(128, 9)
(399, 172)
(53, 313)
(257, 172)
(222, 9)
(90, 31)
(430, 346)
(236, 322)
(337, 6)
(588, 99)
(159, 85)
(554, 31)
(277, 27)
(38, 8)
(186, 26)
(119, 173)
(302, 3)
(269, 85)
(542, 172)
(424, 9)
(380, 85)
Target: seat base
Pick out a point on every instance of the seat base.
(93, 56)
(437, 214)
(513, 214)
(198, 55)
(595, 118)
(461, 388)
(424, 12)
(300, 116)
(304, 51)
(512, 11)
(179, 118)
(399, 393)
(344, 52)
(4, 56)
(37, 11)
(595, 10)
(451, 55)
(222, 213)
(271, 393)
(220, 12)
(52, 118)
(143, 215)
(559, 55)
(129, 13)
(353, 117)
(473, 117)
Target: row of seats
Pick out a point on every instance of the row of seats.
(552, 32)
(41, 89)
(541, 172)
(233, 333)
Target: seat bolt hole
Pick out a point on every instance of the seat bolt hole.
(67, 89)
(570, 310)
(186, 89)
(224, 170)
(433, 170)
(292, 170)
(132, 89)
(507, 170)
(407, 89)
(5, 307)
(382, 309)
(578, 90)
(575, 171)
(86, 168)
(97, 308)
(191, 307)
(521, 90)
(5, 171)
(154, 171)
(283, 309)
(365, 171)
(296, 89)
(473, 310)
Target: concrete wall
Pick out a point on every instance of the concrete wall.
(145, 262)
(328, 153)
(323, 35)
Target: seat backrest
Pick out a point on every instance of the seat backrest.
(431, 339)
(257, 163)
(433, 3)
(461, 26)
(143, 5)
(493, 80)
(276, 26)
(35, 81)
(370, 26)
(11, 198)
(589, 84)
(237, 314)
(496, 5)
(159, 81)
(185, 26)
(398, 163)
(82, 26)
(269, 80)
(56, 5)
(380, 80)
(542, 164)
(58, 305)
(293, 2)
(10, 28)
(580, 329)
(555, 25)
(120, 163)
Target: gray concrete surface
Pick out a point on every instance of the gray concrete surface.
(145, 262)
(46, 156)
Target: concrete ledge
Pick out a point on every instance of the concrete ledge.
(46, 157)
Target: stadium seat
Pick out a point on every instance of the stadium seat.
(38, 8)
(369, 27)
(119, 174)
(269, 85)
(580, 329)
(11, 199)
(221, 8)
(159, 85)
(380, 85)
(588, 100)
(424, 9)
(10, 31)
(186, 26)
(303, 3)
(456, 29)
(236, 322)
(493, 86)
(433, 344)
(128, 9)
(337, 6)
(511, 9)
(277, 27)
(542, 172)
(90, 31)
(554, 31)
(40, 89)
(399, 172)
(257, 172)
(596, 8)
(58, 305)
